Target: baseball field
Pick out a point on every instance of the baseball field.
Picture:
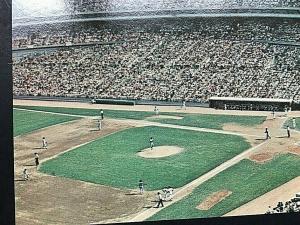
(216, 161)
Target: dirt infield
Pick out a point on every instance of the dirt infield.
(160, 151)
(213, 199)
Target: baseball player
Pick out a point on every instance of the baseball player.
(273, 113)
(288, 131)
(151, 142)
(160, 200)
(101, 114)
(156, 110)
(99, 124)
(141, 187)
(267, 134)
(25, 174)
(44, 143)
(168, 193)
(286, 110)
(36, 159)
(183, 105)
(294, 122)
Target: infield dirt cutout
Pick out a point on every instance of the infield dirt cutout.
(160, 151)
(213, 199)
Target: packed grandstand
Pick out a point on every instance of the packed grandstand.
(161, 59)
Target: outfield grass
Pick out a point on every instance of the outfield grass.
(139, 115)
(112, 160)
(28, 121)
(195, 120)
(213, 121)
(247, 180)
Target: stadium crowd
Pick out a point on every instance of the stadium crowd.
(171, 64)
(93, 33)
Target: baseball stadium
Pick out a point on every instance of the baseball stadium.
(134, 110)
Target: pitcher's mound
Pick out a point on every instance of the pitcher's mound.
(160, 151)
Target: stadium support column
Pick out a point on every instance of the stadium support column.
(7, 201)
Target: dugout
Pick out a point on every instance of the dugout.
(255, 104)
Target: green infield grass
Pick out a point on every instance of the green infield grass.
(28, 121)
(246, 180)
(195, 120)
(112, 160)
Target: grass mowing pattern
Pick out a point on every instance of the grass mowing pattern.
(247, 180)
(195, 120)
(213, 121)
(112, 160)
(28, 121)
